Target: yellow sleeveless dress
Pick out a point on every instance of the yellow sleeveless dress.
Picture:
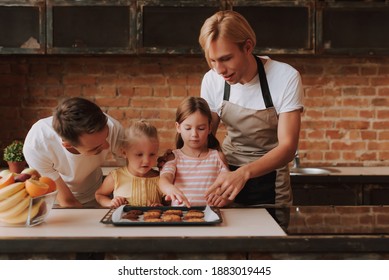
(139, 191)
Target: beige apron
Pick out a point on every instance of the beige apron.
(250, 135)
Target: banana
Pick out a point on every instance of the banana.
(12, 200)
(22, 217)
(10, 190)
(17, 209)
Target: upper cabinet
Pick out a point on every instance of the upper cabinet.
(172, 26)
(22, 26)
(90, 26)
(281, 26)
(353, 27)
(346, 27)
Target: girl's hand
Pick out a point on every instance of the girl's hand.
(176, 194)
(117, 201)
(155, 205)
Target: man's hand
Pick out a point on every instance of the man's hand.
(227, 185)
(65, 196)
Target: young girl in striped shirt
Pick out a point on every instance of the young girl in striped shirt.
(136, 183)
(197, 160)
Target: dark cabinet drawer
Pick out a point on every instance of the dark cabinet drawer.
(22, 27)
(280, 26)
(172, 26)
(353, 28)
(89, 27)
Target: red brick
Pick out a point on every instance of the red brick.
(354, 146)
(79, 80)
(161, 91)
(9, 80)
(332, 155)
(71, 91)
(334, 134)
(112, 102)
(5, 68)
(379, 81)
(352, 124)
(143, 91)
(178, 91)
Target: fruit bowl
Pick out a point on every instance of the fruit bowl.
(28, 211)
(26, 198)
(40, 208)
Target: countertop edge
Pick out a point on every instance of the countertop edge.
(287, 244)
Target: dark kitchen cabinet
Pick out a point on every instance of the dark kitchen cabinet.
(22, 26)
(172, 27)
(353, 27)
(327, 194)
(376, 194)
(316, 27)
(281, 27)
(90, 26)
(340, 190)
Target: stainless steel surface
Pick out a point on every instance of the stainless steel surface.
(312, 171)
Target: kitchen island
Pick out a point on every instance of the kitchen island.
(306, 232)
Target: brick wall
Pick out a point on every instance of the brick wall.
(346, 98)
(336, 220)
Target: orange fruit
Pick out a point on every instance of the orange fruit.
(7, 180)
(36, 188)
(50, 182)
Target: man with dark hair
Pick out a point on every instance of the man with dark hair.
(70, 147)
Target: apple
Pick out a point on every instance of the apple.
(34, 174)
(22, 177)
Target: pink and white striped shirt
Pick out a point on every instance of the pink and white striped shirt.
(193, 176)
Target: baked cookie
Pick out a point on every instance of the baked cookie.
(193, 214)
(153, 220)
(130, 216)
(194, 220)
(171, 218)
(151, 214)
(177, 212)
(136, 212)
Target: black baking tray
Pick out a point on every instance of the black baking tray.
(107, 219)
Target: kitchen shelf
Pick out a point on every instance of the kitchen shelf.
(22, 27)
(282, 27)
(301, 27)
(353, 28)
(172, 26)
(90, 27)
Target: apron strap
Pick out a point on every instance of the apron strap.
(263, 81)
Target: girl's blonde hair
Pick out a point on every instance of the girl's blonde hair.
(226, 24)
(137, 130)
(192, 105)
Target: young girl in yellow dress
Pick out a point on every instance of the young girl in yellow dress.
(135, 184)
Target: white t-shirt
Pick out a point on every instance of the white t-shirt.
(284, 83)
(44, 152)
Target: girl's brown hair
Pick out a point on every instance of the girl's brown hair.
(189, 106)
